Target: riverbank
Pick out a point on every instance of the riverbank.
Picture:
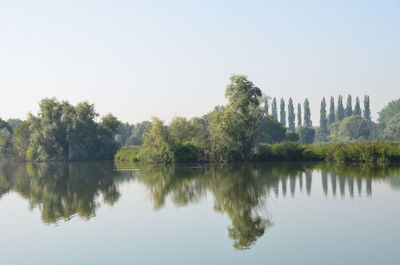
(376, 153)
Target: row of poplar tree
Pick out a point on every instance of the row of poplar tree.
(337, 112)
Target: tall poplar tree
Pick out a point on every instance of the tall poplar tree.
(307, 114)
(323, 121)
(332, 111)
(291, 116)
(274, 109)
(299, 116)
(266, 106)
(349, 107)
(282, 113)
(367, 111)
(340, 109)
(357, 107)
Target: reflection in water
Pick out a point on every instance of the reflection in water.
(241, 191)
(63, 190)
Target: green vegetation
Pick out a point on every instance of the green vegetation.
(237, 131)
(373, 153)
(62, 131)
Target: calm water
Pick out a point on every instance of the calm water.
(99, 213)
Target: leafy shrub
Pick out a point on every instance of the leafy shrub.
(288, 151)
(128, 154)
(262, 152)
(187, 152)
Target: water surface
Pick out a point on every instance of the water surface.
(101, 213)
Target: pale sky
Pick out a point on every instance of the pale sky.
(138, 59)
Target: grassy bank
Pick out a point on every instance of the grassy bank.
(377, 153)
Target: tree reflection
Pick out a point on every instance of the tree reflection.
(62, 190)
(239, 191)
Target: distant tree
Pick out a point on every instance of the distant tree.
(61, 131)
(354, 128)
(291, 116)
(340, 110)
(5, 125)
(357, 107)
(21, 137)
(349, 107)
(332, 111)
(137, 133)
(323, 121)
(282, 113)
(272, 131)
(13, 123)
(292, 137)
(235, 130)
(307, 135)
(392, 130)
(265, 100)
(181, 129)
(389, 111)
(158, 144)
(274, 109)
(367, 111)
(307, 114)
(123, 133)
(299, 116)
(5, 138)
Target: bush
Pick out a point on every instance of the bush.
(307, 135)
(261, 153)
(187, 152)
(292, 137)
(127, 154)
(288, 151)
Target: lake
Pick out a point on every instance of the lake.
(270, 213)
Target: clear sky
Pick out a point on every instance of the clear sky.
(139, 59)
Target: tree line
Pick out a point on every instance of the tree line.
(61, 131)
(250, 119)
(232, 132)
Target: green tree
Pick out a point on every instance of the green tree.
(181, 129)
(137, 133)
(307, 114)
(307, 135)
(349, 107)
(61, 131)
(389, 111)
(332, 111)
(5, 138)
(357, 107)
(392, 129)
(323, 122)
(158, 144)
(272, 131)
(354, 128)
(299, 116)
(21, 137)
(291, 116)
(340, 110)
(13, 123)
(367, 111)
(124, 132)
(235, 129)
(265, 100)
(282, 113)
(274, 109)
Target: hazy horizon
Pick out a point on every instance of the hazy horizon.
(170, 58)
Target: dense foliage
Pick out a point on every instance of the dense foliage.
(236, 131)
(61, 131)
